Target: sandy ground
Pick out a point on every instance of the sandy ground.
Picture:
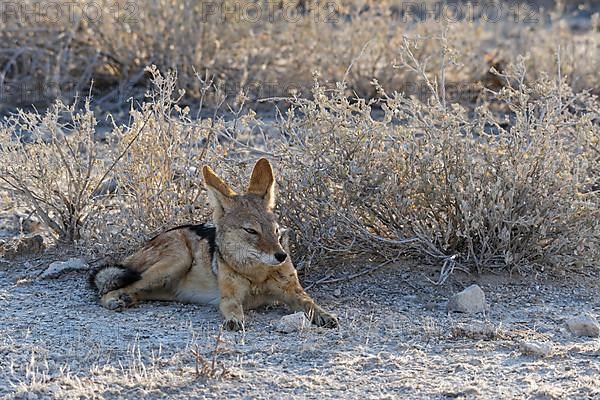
(396, 340)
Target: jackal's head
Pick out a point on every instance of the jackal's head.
(247, 230)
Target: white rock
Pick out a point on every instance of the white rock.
(540, 349)
(293, 323)
(470, 300)
(584, 325)
(58, 267)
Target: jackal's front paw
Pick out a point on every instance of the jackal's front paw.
(233, 324)
(324, 319)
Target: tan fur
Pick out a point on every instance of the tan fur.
(177, 265)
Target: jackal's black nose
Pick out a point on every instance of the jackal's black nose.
(280, 257)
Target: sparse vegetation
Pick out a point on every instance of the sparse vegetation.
(483, 178)
(422, 179)
(466, 188)
(52, 163)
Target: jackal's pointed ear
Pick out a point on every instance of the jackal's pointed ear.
(262, 182)
(220, 194)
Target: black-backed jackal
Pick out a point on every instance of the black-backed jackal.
(241, 262)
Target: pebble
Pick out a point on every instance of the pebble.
(540, 349)
(584, 325)
(293, 323)
(471, 300)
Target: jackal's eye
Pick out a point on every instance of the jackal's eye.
(251, 231)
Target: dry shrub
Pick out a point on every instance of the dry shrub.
(268, 48)
(476, 190)
(158, 179)
(52, 163)
(110, 191)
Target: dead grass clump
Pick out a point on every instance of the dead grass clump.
(211, 369)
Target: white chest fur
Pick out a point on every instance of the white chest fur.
(193, 295)
(199, 286)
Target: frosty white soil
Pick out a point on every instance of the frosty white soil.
(396, 340)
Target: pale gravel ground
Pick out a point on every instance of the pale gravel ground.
(395, 341)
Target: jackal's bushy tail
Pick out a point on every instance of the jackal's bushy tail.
(112, 277)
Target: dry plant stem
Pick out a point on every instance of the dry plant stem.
(353, 276)
(116, 161)
(205, 369)
(447, 270)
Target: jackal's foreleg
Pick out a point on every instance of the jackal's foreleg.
(290, 292)
(233, 293)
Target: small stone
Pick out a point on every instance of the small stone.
(470, 300)
(539, 349)
(337, 292)
(59, 267)
(293, 323)
(584, 325)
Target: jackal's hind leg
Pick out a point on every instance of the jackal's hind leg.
(128, 296)
(156, 284)
(117, 300)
